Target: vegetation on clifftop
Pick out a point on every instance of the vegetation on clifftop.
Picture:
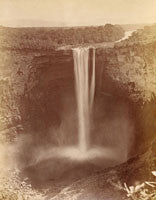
(48, 38)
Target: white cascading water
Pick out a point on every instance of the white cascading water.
(84, 93)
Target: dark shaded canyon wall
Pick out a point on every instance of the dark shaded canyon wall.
(30, 84)
(45, 101)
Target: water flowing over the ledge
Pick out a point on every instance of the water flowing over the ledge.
(85, 89)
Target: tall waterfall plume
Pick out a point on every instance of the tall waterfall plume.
(85, 90)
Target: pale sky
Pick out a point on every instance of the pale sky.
(76, 12)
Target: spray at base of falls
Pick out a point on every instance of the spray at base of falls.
(84, 93)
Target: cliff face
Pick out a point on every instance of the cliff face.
(132, 66)
(29, 77)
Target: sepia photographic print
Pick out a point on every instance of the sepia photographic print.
(77, 99)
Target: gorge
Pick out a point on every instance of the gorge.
(76, 112)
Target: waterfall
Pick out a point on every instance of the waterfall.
(92, 90)
(84, 93)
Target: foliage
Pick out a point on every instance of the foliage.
(48, 38)
(143, 191)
